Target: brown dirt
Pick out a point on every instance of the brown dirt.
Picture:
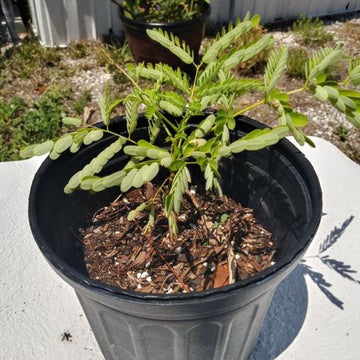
(218, 245)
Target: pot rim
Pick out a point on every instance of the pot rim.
(202, 16)
(82, 280)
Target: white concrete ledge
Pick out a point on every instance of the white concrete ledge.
(315, 313)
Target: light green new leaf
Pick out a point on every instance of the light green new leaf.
(126, 184)
(172, 43)
(243, 55)
(321, 93)
(71, 121)
(43, 148)
(275, 67)
(28, 151)
(63, 144)
(150, 172)
(205, 126)
(225, 40)
(170, 108)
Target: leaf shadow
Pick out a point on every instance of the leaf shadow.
(288, 308)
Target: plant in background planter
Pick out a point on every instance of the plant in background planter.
(155, 158)
(185, 19)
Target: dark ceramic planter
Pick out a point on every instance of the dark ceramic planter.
(146, 50)
(219, 324)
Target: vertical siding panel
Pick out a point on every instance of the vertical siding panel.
(60, 21)
(220, 11)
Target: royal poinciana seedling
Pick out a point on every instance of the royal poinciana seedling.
(174, 95)
(161, 10)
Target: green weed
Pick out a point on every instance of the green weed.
(296, 62)
(311, 31)
(79, 104)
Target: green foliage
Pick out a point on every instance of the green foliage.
(161, 10)
(23, 61)
(21, 124)
(296, 62)
(172, 101)
(79, 104)
(311, 31)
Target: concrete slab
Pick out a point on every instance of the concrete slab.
(314, 313)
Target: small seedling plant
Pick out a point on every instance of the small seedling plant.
(174, 99)
(161, 10)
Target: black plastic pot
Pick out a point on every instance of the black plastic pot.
(223, 323)
(144, 49)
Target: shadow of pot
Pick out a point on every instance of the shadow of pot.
(223, 323)
(146, 50)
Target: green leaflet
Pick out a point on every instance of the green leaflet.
(275, 67)
(256, 140)
(245, 54)
(321, 93)
(71, 121)
(321, 60)
(170, 108)
(225, 40)
(28, 151)
(134, 213)
(172, 43)
(106, 105)
(131, 114)
(205, 126)
(63, 144)
(43, 148)
(95, 165)
(127, 183)
(150, 172)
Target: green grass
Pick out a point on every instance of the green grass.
(22, 124)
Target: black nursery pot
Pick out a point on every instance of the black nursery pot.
(146, 50)
(223, 323)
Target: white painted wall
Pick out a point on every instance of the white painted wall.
(60, 21)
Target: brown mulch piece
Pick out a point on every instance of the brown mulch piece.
(219, 242)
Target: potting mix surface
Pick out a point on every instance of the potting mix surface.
(219, 242)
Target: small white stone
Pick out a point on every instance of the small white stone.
(170, 291)
(178, 250)
(139, 286)
(147, 264)
(116, 263)
(144, 275)
(138, 275)
(192, 191)
(149, 279)
(213, 267)
(272, 263)
(125, 200)
(117, 232)
(205, 264)
(237, 256)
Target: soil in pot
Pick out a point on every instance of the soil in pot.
(219, 242)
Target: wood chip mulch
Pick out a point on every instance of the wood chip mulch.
(219, 242)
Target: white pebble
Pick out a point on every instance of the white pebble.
(205, 264)
(144, 275)
(237, 256)
(149, 279)
(178, 250)
(139, 286)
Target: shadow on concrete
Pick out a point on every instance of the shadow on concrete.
(285, 317)
(288, 308)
